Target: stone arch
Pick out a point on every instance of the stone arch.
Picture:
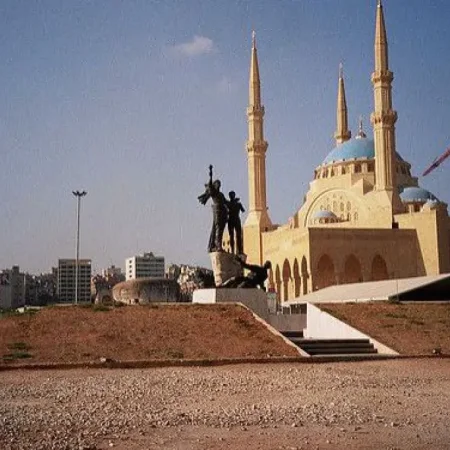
(379, 269)
(297, 279)
(287, 280)
(325, 273)
(304, 275)
(278, 283)
(352, 270)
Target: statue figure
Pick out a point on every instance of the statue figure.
(220, 212)
(234, 222)
(256, 278)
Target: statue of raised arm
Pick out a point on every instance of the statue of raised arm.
(220, 212)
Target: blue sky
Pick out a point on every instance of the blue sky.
(132, 100)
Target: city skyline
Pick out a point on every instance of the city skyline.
(133, 104)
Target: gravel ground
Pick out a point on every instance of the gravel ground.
(400, 404)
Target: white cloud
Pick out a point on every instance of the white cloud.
(199, 45)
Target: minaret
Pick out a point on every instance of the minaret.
(342, 133)
(256, 150)
(384, 117)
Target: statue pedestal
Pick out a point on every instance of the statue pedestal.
(254, 299)
(224, 266)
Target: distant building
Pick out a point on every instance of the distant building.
(113, 272)
(12, 288)
(41, 289)
(142, 266)
(5, 294)
(189, 279)
(66, 280)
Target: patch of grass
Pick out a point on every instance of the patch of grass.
(396, 315)
(417, 322)
(176, 354)
(5, 313)
(95, 306)
(16, 355)
(19, 346)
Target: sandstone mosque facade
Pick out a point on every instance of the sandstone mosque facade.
(364, 217)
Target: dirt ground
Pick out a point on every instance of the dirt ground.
(409, 328)
(395, 404)
(72, 334)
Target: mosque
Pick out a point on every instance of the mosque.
(364, 218)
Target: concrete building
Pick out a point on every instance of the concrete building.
(12, 283)
(66, 280)
(364, 218)
(5, 294)
(113, 272)
(144, 266)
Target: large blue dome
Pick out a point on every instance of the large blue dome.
(416, 194)
(356, 148)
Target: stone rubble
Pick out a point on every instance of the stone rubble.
(77, 409)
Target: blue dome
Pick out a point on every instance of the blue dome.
(353, 149)
(324, 215)
(416, 194)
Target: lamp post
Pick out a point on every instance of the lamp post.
(78, 195)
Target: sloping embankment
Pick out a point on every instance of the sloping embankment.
(408, 328)
(69, 334)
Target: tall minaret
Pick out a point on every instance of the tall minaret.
(342, 133)
(256, 150)
(384, 117)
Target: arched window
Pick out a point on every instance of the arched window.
(352, 270)
(379, 269)
(324, 275)
(357, 168)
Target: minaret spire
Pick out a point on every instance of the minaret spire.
(255, 82)
(361, 134)
(384, 117)
(256, 155)
(342, 133)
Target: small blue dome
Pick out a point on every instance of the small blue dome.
(324, 215)
(416, 194)
(353, 149)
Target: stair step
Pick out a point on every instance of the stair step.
(330, 341)
(292, 334)
(339, 351)
(332, 344)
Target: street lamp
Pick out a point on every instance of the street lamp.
(78, 195)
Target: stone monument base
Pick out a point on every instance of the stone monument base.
(225, 266)
(254, 299)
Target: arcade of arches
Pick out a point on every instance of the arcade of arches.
(291, 279)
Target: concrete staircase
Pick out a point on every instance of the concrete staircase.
(331, 347)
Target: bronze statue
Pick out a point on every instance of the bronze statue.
(234, 222)
(220, 212)
(256, 278)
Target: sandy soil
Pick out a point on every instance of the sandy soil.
(77, 334)
(409, 328)
(396, 404)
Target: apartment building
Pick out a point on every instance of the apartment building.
(143, 266)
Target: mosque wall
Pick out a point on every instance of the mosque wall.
(341, 256)
(429, 226)
(288, 251)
